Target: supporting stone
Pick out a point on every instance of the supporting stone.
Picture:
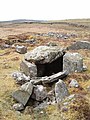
(28, 68)
(73, 62)
(61, 91)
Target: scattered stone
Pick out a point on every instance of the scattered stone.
(21, 96)
(80, 45)
(51, 44)
(74, 83)
(44, 54)
(64, 109)
(88, 88)
(28, 68)
(39, 93)
(84, 67)
(61, 91)
(31, 41)
(73, 62)
(28, 87)
(4, 46)
(20, 77)
(21, 49)
(18, 107)
(70, 98)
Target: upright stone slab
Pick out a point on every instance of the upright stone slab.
(28, 68)
(72, 62)
(61, 91)
(21, 96)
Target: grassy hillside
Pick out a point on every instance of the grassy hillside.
(10, 62)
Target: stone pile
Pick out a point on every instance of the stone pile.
(45, 65)
(39, 94)
(58, 35)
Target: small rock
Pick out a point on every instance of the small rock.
(18, 107)
(64, 109)
(61, 91)
(4, 46)
(41, 112)
(74, 83)
(21, 49)
(70, 98)
(51, 44)
(31, 41)
(39, 93)
(84, 67)
(80, 45)
(88, 88)
(20, 77)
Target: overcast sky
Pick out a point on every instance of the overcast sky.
(44, 9)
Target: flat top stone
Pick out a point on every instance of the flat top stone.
(44, 54)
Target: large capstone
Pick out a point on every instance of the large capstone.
(48, 59)
(44, 54)
(73, 62)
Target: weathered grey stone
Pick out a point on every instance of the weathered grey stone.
(31, 41)
(73, 62)
(61, 91)
(21, 49)
(51, 44)
(84, 67)
(80, 45)
(28, 68)
(74, 83)
(16, 74)
(49, 79)
(28, 87)
(44, 54)
(54, 77)
(20, 77)
(18, 107)
(21, 96)
(39, 93)
(4, 46)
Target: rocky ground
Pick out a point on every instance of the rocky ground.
(74, 107)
